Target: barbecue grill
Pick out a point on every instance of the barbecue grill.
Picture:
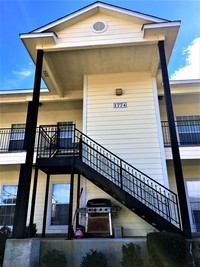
(98, 217)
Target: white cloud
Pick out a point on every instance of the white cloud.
(192, 68)
(20, 78)
(23, 73)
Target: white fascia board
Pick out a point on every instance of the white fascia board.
(21, 91)
(8, 158)
(132, 13)
(179, 82)
(39, 35)
(101, 5)
(161, 25)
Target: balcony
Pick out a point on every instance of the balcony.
(188, 132)
(12, 141)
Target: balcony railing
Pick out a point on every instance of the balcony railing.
(188, 132)
(12, 140)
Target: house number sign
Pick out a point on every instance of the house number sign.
(120, 105)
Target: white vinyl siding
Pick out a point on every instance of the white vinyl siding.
(129, 132)
(81, 34)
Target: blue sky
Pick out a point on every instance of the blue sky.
(22, 16)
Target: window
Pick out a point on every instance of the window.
(17, 137)
(65, 138)
(193, 190)
(188, 129)
(60, 204)
(7, 204)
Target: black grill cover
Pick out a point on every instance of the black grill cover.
(99, 202)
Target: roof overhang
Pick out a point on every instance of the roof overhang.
(64, 66)
(165, 30)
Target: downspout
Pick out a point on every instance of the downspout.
(21, 209)
(174, 145)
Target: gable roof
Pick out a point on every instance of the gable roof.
(93, 9)
(60, 52)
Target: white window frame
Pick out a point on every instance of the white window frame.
(50, 226)
(193, 225)
(17, 134)
(1, 204)
(183, 118)
(63, 124)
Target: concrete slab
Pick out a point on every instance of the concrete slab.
(75, 249)
(22, 253)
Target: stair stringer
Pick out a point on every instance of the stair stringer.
(133, 204)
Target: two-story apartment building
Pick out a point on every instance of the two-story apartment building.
(104, 124)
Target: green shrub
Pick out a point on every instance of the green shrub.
(167, 249)
(131, 256)
(5, 233)
(54, 258)
(94, 259)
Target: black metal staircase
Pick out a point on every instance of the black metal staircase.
(144, 196)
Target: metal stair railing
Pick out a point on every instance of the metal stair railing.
(152, 194)
(47, 141)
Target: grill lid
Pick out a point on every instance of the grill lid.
(99, 202)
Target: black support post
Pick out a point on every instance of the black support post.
(45, 206)
(78, 197)
(20, 216)
(174, 144)
(70, 226)
(33, 200)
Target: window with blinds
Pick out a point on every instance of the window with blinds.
(65, 138)
(188, 127)
(8, 195)
(17, 137)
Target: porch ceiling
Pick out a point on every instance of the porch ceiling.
(67, 68)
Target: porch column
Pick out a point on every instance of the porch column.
(33, 200)
(21, 210)
(174, 144)
(78, 198)
(45, 206)
(70, 226)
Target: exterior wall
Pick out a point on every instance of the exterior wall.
(9, 176)
(183, 104)
(191, 171)
(12, 114)
(49, 113)
(131, 132)
(81, 33)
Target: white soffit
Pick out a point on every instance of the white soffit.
(158, 28)
(48, 37)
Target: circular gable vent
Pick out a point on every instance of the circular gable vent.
(99, 26)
